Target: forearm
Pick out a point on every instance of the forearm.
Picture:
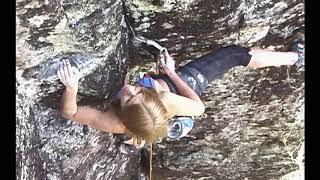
(183, 88)
(69, 103)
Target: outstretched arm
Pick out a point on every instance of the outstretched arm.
(70, 79)
(168, 68)
(104, 121)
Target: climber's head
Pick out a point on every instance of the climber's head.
(142, 112)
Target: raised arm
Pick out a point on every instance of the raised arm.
(168, 68)
(104, 121)
(188, 96)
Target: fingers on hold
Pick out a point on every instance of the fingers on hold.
(76, 71)
(69, 68)
(65, 70)
(66, 64)
(162, 61)
(166, 52)
(61, 75)
(61, 66)
(66, 60)
(65, 74)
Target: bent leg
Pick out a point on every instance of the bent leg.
(203, 70)
(215, 64)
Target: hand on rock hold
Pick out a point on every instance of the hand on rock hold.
(68, 75)
(166, 63)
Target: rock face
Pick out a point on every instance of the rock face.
(253, 125)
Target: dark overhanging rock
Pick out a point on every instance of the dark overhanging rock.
(253, 125)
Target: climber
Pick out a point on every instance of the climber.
(142, 110)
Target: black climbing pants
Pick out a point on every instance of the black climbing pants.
(203, 70)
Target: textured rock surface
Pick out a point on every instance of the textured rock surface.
(188, 28)
(91, 35)
(252, 128)
(253, 125)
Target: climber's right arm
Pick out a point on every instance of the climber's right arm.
(106, 121)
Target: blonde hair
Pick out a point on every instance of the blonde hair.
(147, 120)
